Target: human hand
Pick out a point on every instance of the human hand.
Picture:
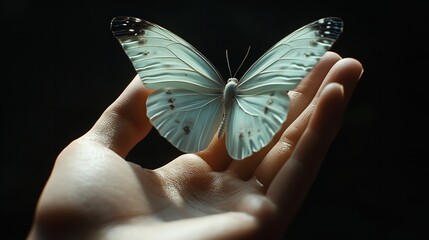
(94, 193)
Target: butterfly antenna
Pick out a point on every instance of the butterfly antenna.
(227, 61)
(248, 50)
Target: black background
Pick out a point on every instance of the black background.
(62, 67)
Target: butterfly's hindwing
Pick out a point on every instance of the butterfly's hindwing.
(187, 119)
(254, 120)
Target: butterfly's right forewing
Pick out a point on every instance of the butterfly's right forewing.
(285, 64)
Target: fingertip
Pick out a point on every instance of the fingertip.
(216, 154)
(352, 65)
(124, 123)
(332, 98)
(328, 114)
(332, 56)
(333, 89)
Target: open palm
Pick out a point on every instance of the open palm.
(94, 193)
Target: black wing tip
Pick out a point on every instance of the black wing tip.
(128, 26)
(329, 27)
(333, 22)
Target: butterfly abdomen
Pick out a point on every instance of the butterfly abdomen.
(223, 124)
(229, 94)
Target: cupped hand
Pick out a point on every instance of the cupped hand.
(94, 193)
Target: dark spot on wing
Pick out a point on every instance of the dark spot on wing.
(313, 43)
(171, 102)
(144, 53)
(126, 27)
(309, 54)
(269, 102)
(142, 41)
(186, 129)
(177, 121)
(240, 136)
(266, 110)
(187, 126)
(168, 91)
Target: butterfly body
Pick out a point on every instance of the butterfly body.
(192, 102)
(229, 94)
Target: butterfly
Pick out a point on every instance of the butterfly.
(191, 101)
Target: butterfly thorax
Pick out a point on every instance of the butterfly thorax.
(230, 90)
(229, 94)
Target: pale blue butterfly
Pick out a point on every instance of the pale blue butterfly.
(191, 101)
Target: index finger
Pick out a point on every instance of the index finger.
(124, 123)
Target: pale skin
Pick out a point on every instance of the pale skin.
(94, 193)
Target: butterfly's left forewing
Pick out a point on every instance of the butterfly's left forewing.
(186, 105)
(163, 59)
